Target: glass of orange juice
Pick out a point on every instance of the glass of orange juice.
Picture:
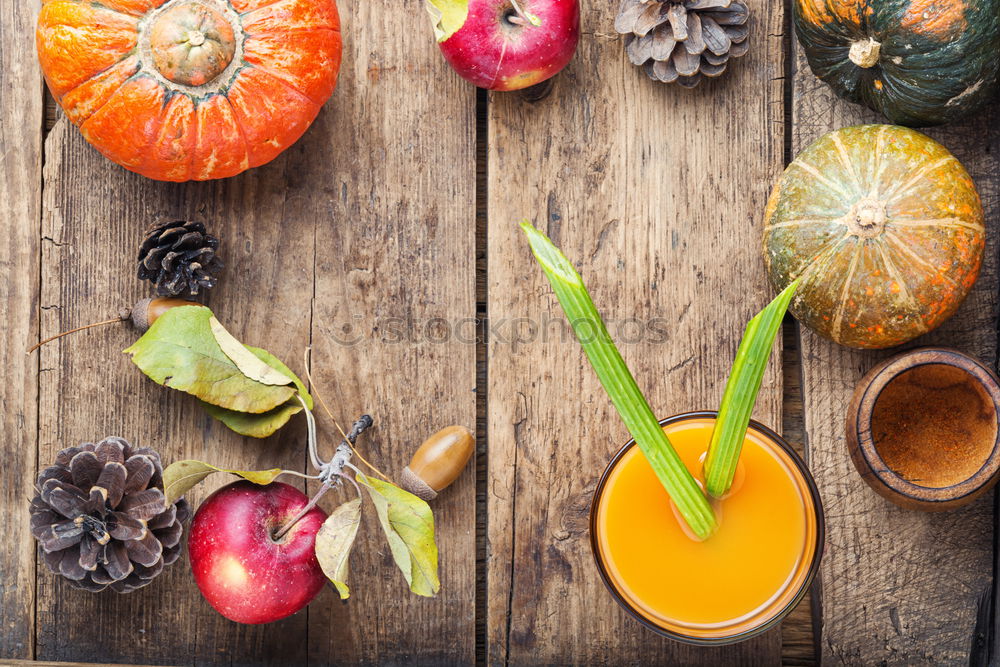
(737, 583)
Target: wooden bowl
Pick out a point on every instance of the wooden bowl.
(922, 429)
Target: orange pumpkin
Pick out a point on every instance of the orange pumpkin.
(182, 90)
(884, 227)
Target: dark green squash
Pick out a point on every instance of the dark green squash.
(918, 62)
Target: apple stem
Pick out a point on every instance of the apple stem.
(305, 510)
(523, 17)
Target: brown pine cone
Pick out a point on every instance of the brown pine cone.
(179, 258)
(100, 518)
(683, 40)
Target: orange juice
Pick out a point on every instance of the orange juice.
(741, 580)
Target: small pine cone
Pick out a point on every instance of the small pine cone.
(99, 516)
(179, 258)
(683, 40)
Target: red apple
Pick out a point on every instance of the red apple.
(243, 572)
(507, 44)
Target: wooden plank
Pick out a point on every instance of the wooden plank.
(393, 332)
(798, 640)
(898, 586)
(93, 218)
(21, 120)
(33, 663)
(656, 193)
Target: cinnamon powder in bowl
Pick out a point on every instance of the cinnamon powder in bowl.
(923, 429)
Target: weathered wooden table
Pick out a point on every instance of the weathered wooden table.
(386, 240)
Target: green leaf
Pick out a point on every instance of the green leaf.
(266, 423)
(334, 541)
(182, 476)
(249, 364)
(620, 385)
(254, 425)
(447, 16)
(408, 523)
(181, 352)
(741, 392)
(279, 366)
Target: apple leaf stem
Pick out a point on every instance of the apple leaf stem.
(332, 468)
(356, 473)
(311, 435)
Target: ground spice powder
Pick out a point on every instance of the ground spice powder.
(934, 425)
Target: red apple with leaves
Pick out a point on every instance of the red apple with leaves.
(506, 44)
(246, 569)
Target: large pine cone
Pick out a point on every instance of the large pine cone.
(100, 518)
(179, 258)
(683, 40)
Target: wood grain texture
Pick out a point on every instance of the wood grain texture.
(342, 222)
(638, 184)
(798, 639)
(33, 663)
(21, 121)
(898, 587)
(94, 216)
(394, 328)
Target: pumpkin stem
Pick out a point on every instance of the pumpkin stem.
(867, 218)
(865, 53)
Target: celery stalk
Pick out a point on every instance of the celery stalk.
(620, 385)
(741, 393)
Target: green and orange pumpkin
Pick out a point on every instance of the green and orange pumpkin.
(182, 90)
(883, 226)
(918, 62)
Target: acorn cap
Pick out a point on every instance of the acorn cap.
(418, 487)
(147, 311)
(140, 315)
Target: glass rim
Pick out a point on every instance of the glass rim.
(793, 602)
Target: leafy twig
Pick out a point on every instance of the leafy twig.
(326, 409)
(332, 471)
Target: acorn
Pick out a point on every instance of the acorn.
(141, 316)
(438, 462)
(148, 310)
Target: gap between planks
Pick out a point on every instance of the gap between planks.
(482, 377)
